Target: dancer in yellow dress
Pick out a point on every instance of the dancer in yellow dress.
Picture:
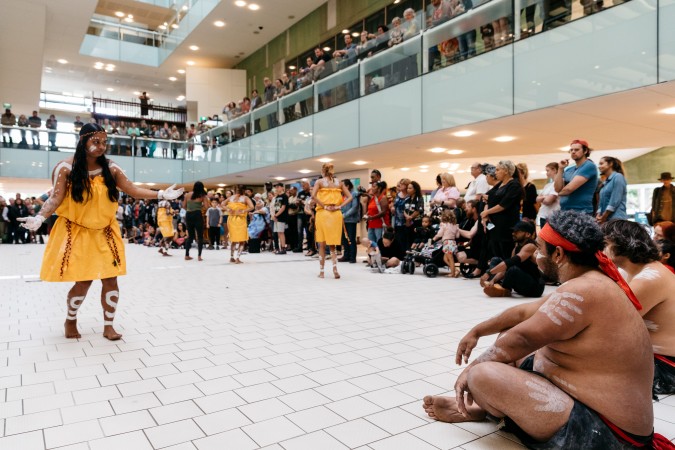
(165, 224)
(85, 243)
(238, 206)
(330, 196)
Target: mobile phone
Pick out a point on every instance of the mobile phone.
(490, 226)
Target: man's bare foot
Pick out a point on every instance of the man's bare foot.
(232, 260)
(110, 333)
(188, 258)
(70, 327)
(496, 290)
(239, 261)
(445, 410)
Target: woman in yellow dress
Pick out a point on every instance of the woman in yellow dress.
(165, 224)
(330, 196)
(238, 206)
(85, 242)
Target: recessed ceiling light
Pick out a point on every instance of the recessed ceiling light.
(345, 31)
(424, 170)
(437, 150)
(110, 68)
(291, 67)
(137, 93)
(253, 7)
(194, 48)
(356, 34)
(128, 19)
(443, 165)
(190, 63)
(110, 65)
(62, 61)
(304, 171)
(219, 23)
(504, 138)
(109, 89)
(424, 166)
(279, 178)
(222, 184)
(173, 78)
(325, 160)
(130, 16)
(240, 3)
(455, 152)
(405, 169)
(181, 71)
(174, 26)
(360, 163)
(149, 184)
(303, 179)
(185, 7)
(463, 133)
(326, 49)
(668, 111)
(567, 147)
(162, 27)
(120, 14)
(180, 98)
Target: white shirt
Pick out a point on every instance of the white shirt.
(547, 210)
(478, 186)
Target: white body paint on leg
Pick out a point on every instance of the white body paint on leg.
(549, 399)
(74, 304)
(561, 306)
(110, 315)
(492, 353)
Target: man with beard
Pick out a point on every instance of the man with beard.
(519, 272)
(587, 380)
(629, 246)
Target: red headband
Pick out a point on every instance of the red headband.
(549, 235)
(580, 141)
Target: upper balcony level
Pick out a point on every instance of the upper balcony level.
(446, 76)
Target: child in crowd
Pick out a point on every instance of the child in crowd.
(448, 232)
(374, 256)
(422, 234)
(214, 217)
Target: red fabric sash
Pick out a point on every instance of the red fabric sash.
(665, 360)
(659, 442)
(551, 236)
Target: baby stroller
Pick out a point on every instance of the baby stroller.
(430, 256)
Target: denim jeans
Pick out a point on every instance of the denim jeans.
(375, 234)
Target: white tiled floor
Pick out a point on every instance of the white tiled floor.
(223, 356)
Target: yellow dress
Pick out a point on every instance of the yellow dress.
(85, 242)
(328, 224)
(165, 222)
(236, 223)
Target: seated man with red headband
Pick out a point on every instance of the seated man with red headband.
(630, 247)
(586, 383)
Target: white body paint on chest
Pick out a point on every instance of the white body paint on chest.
(562, 306)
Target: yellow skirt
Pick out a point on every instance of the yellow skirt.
(328, 226)
(87, 255)
(237, 227)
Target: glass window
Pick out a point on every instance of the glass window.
(374, 21)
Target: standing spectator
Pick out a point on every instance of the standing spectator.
(280, 217)
(8, 120)
(214, 216)
(4, 220)
(144, 103)
(193, 203)
(256, 102)
(502, 210)
(576, 184)
(287, 88)
(377, 211)
(445, 197)
(133, 133)
(191, 133)
(529, 207)
(398, 209)
(17, 211)
(269, 94)
(413, 211)
(77, 124)
(144, 132)
(175, 137)
(51, 124)
(613, 194)
(23, 123)
(478, 185)
(303, 199)
(292, 225)
(548, 199)
(165, 133)
(351, 216)
(662, 200)
(35, 121)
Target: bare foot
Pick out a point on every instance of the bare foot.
(239, 261)
(335, 273)
(232, 260)
(496, 290)
(167, 254)
(188, 258)
(110, 333)
(445, 410)
(71, 329)
(199, 258)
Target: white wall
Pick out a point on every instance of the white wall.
(212, 89)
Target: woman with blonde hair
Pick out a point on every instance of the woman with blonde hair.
(330, 196)
(445, 197)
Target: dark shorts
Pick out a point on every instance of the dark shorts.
(664, 376)
(584, 430)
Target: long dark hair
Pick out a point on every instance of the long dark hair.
(79, 180)
(417, 188)
(198, 190)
